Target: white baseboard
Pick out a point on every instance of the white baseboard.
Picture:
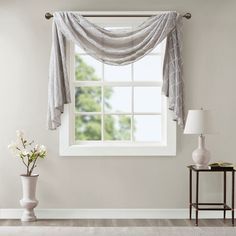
(111, 214)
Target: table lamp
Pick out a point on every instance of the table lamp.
(198, 122)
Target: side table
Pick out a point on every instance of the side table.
(210, 206)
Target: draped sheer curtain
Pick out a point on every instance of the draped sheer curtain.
(115, 47)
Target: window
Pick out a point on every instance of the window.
(117, 110)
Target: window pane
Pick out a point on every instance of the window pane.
(87, 68)
(88, 99)
(117, 73)
(117, 127)
(87, 127)
(79, 50)
(117, 99)
(147, 128)
(147, 99)
(158, 48)
(149, 68)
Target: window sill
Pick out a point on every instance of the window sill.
(85, 150)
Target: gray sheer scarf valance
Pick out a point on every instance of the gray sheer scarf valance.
(115, 47)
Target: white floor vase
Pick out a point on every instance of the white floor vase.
(29, 202)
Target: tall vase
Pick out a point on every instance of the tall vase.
(29, 202)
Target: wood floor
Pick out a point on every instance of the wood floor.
(120, 223)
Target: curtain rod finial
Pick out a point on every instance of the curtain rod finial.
(187, 15)
(48, 15)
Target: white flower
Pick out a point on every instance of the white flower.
(42, 149)
(16, 152)
(19, 134)
(36, 147)
(12, 146)
(24, 152)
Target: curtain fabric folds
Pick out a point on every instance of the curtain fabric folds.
(115, 47)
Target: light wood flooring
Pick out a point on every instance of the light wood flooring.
(120, 223)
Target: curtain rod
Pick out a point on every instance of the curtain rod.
(48, 15)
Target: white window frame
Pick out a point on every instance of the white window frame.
(66, 140)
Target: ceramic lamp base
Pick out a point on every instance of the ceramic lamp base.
(201, 156)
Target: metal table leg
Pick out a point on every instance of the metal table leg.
(233, 197)
(197, 188)
(224, 193)
(190, 194)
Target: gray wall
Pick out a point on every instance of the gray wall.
(124, 182)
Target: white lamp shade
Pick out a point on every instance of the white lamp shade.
(198, 122)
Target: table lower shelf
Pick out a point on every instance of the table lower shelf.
(224, 207)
